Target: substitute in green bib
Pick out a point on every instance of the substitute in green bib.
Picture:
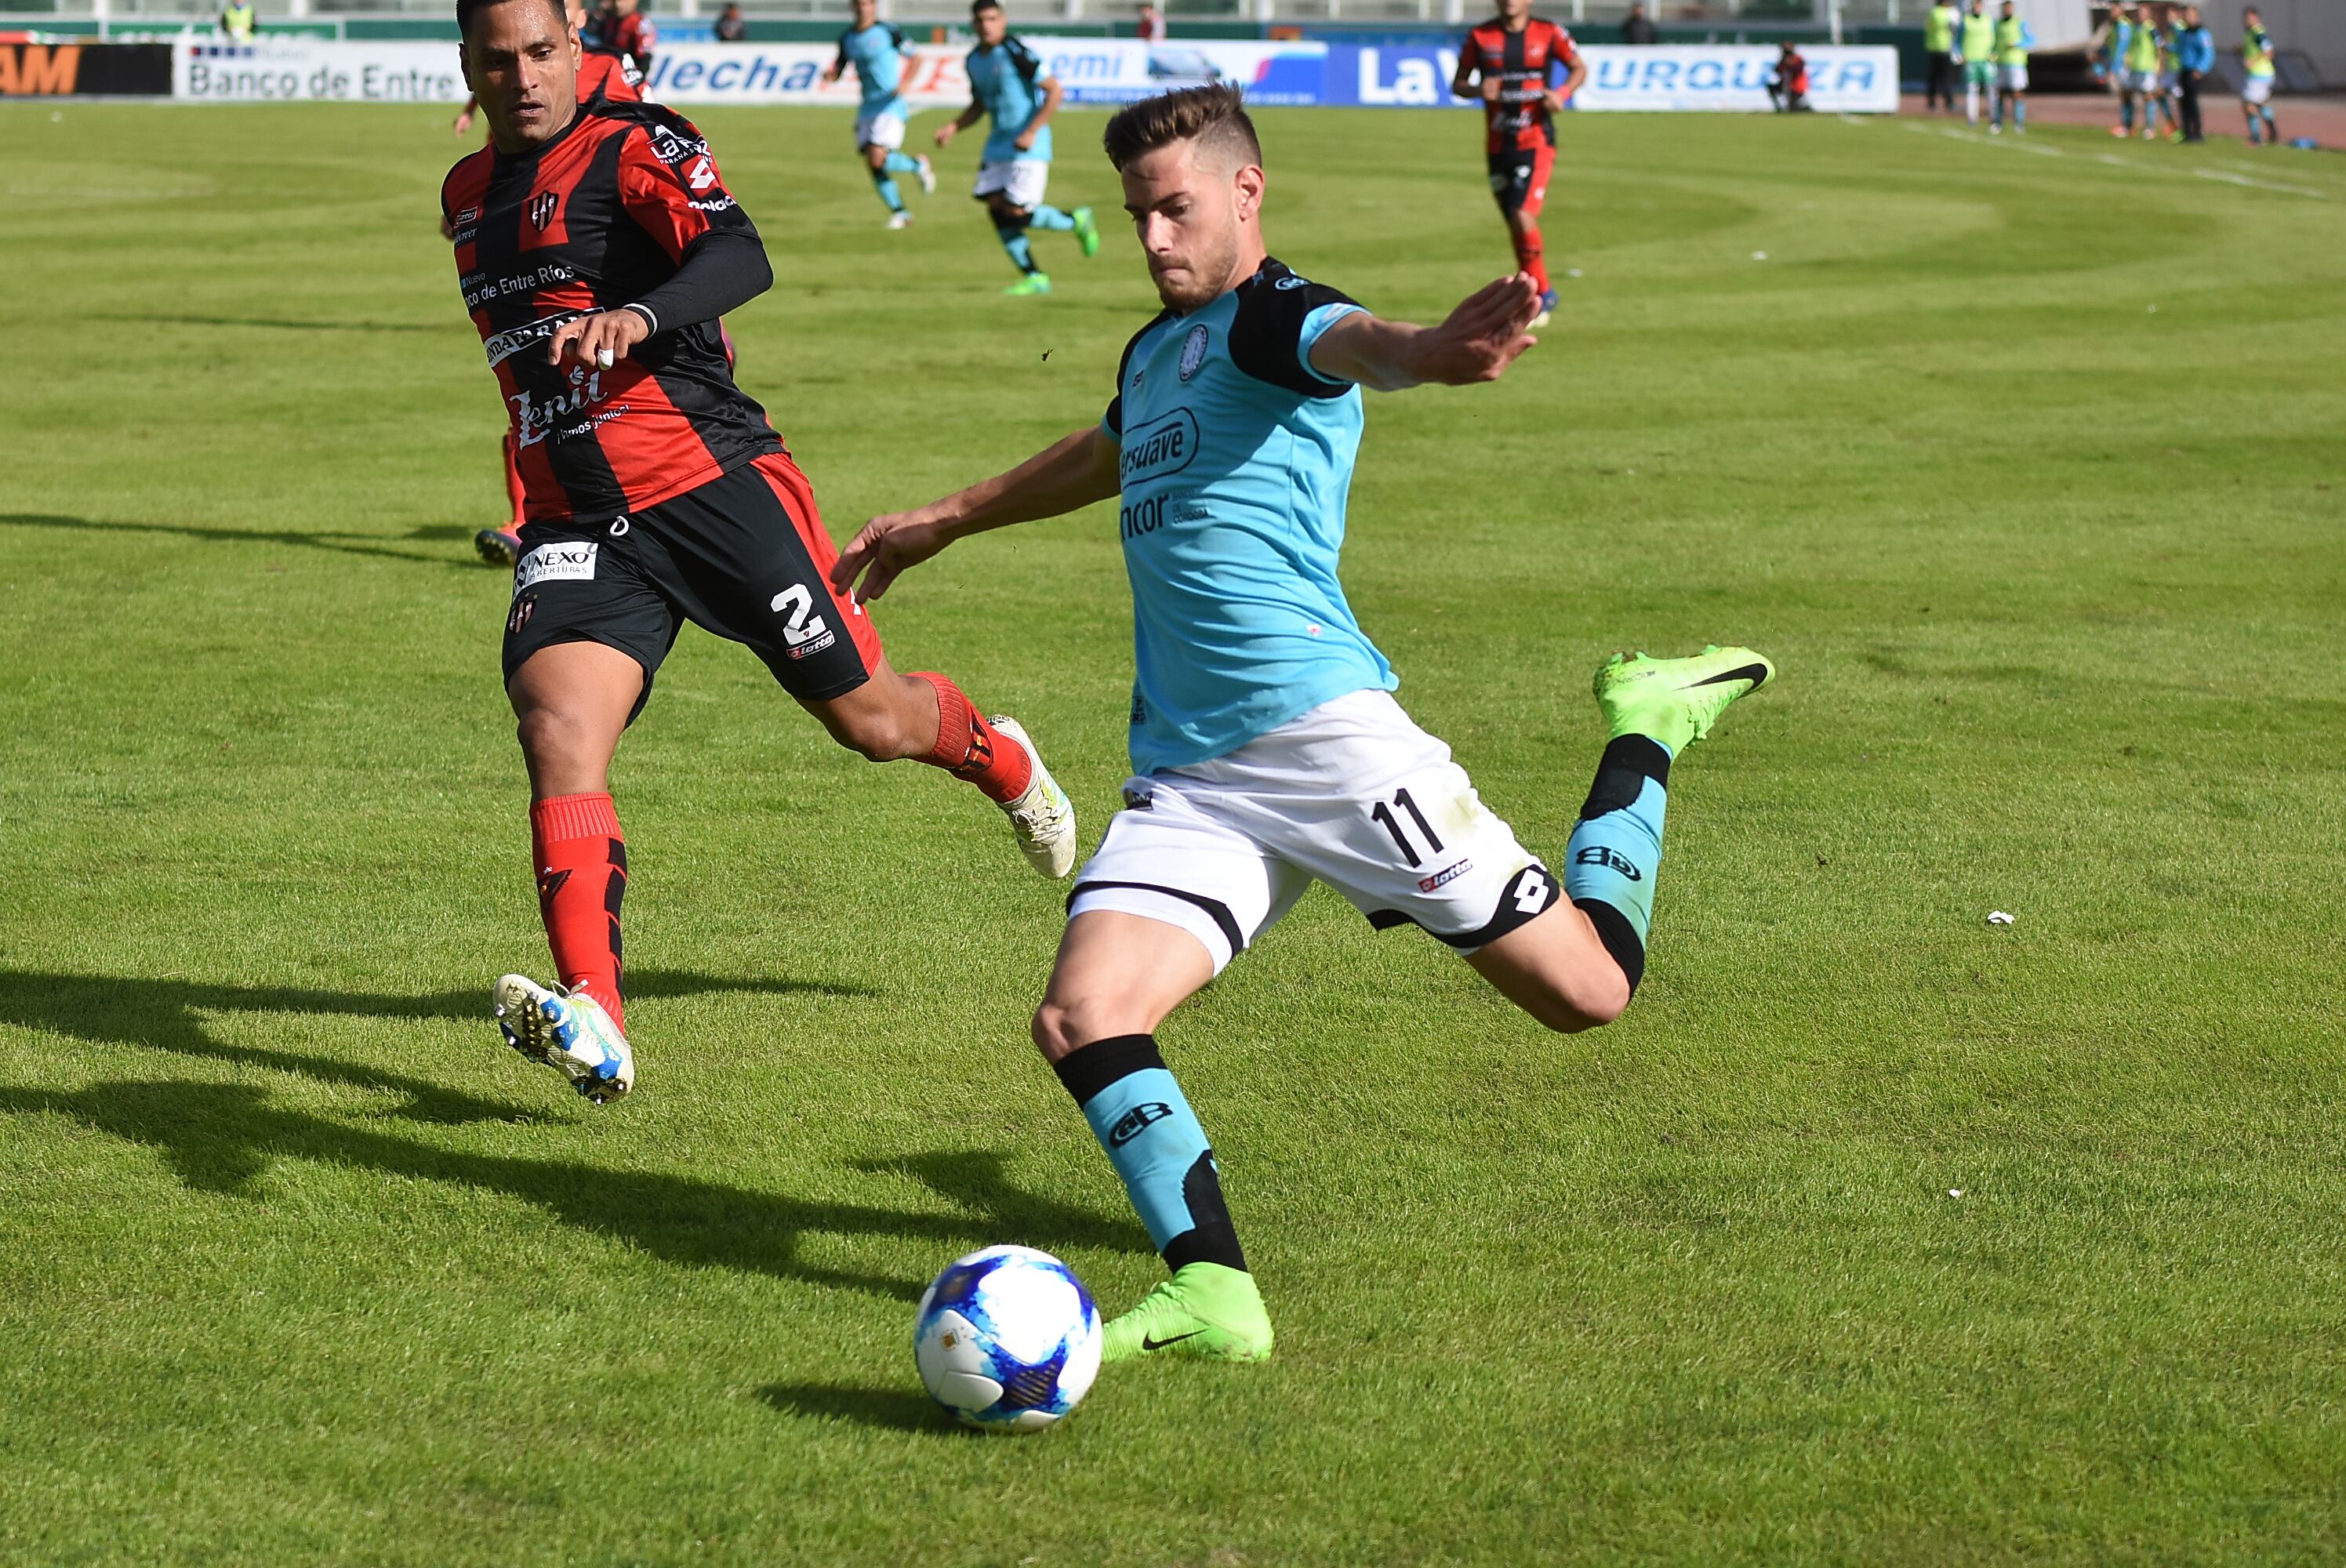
(1938, 43)
(1977, 39)
(2256, 80)
(239, 21)
(2013, 41)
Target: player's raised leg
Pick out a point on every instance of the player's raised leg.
(572, 700)
(1577, 966)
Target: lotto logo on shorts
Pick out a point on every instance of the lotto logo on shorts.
(569, 562)
(1446, 875)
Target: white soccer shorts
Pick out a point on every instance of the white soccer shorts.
(880, 128)
(2142, 81)
(2257, 90)
(2014, 78)
(1352, 794)
(1021, 179)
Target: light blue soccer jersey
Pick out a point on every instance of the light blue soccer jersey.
(1007, 81)
(1236, 457)
(877, 52)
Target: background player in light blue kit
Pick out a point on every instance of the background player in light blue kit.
(1007, 81)
(1267, 749)
(877, 52)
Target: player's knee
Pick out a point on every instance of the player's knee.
(1062, 1027)
(555, 735)
(1588, 996)
(875, 734)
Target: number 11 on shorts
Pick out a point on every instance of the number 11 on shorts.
(1382, 813)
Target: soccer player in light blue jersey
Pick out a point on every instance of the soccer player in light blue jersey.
(1007, 81)
(877, 52)
(1267, 749)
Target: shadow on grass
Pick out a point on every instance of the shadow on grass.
(339, 543)
(223, 1137)
(898, 1409)
(166, 1015)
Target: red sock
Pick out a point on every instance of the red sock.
(967, 747)
(515, 494)
(1529, 256)
(582, 874)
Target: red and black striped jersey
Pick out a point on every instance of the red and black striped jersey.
(594, 220)
(1520, 63)
(610, 77)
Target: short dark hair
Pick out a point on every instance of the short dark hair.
(1211, 116)
(980, 5)
(468, 9)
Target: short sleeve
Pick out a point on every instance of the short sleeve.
(670, 186)
(1029, 65)
(1280, 317)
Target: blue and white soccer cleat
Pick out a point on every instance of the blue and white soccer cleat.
(926, 173)
(571, 1033)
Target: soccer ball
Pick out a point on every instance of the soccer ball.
(1008, 1339)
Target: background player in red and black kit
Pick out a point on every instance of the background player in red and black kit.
(596, 245)
(600, 75)
(1514, 56)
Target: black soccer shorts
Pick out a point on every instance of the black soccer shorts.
(744, 556)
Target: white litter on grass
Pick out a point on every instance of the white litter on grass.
(1759, 255)
(2154, 311)
(1997, 916)
(1955, 1192)
(1572, 272)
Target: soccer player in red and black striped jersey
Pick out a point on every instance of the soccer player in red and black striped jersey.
(601, 75)
(1510, 62)
(596, 245)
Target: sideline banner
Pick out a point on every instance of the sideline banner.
(1667, 77)
(306, 70)
(57, 70)
(1682, 77)
(1090, 71)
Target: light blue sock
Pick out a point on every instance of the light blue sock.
(1051, 217)
(1153, 1139)
(1615, 850)
(886, 187)
(900, 163)
(1014, 241)
(2020, 114)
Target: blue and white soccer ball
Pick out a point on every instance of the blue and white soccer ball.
(1008, 1339)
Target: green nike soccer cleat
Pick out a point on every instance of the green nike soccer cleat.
(1676, 700)
(1033, 283)
(1205, 1310)
(1087, 231)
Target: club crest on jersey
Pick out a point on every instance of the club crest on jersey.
(1193, 351)
(541, 209)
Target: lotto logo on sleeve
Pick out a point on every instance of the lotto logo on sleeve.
(569, 562)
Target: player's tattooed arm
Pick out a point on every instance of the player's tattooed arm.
(1067, 476)
(1476, 342)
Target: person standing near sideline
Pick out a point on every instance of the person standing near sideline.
(1977, 40)
(730, 27)
(1636, 29)
(1938, 43)
(2012, 40)
(2256, 84)
(2195, 57)
(237, 19)
(1151, 27)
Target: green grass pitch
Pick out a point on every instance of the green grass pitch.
(2024, 465)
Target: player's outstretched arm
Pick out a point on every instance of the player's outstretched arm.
(1067, 476)
(1477, 342)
